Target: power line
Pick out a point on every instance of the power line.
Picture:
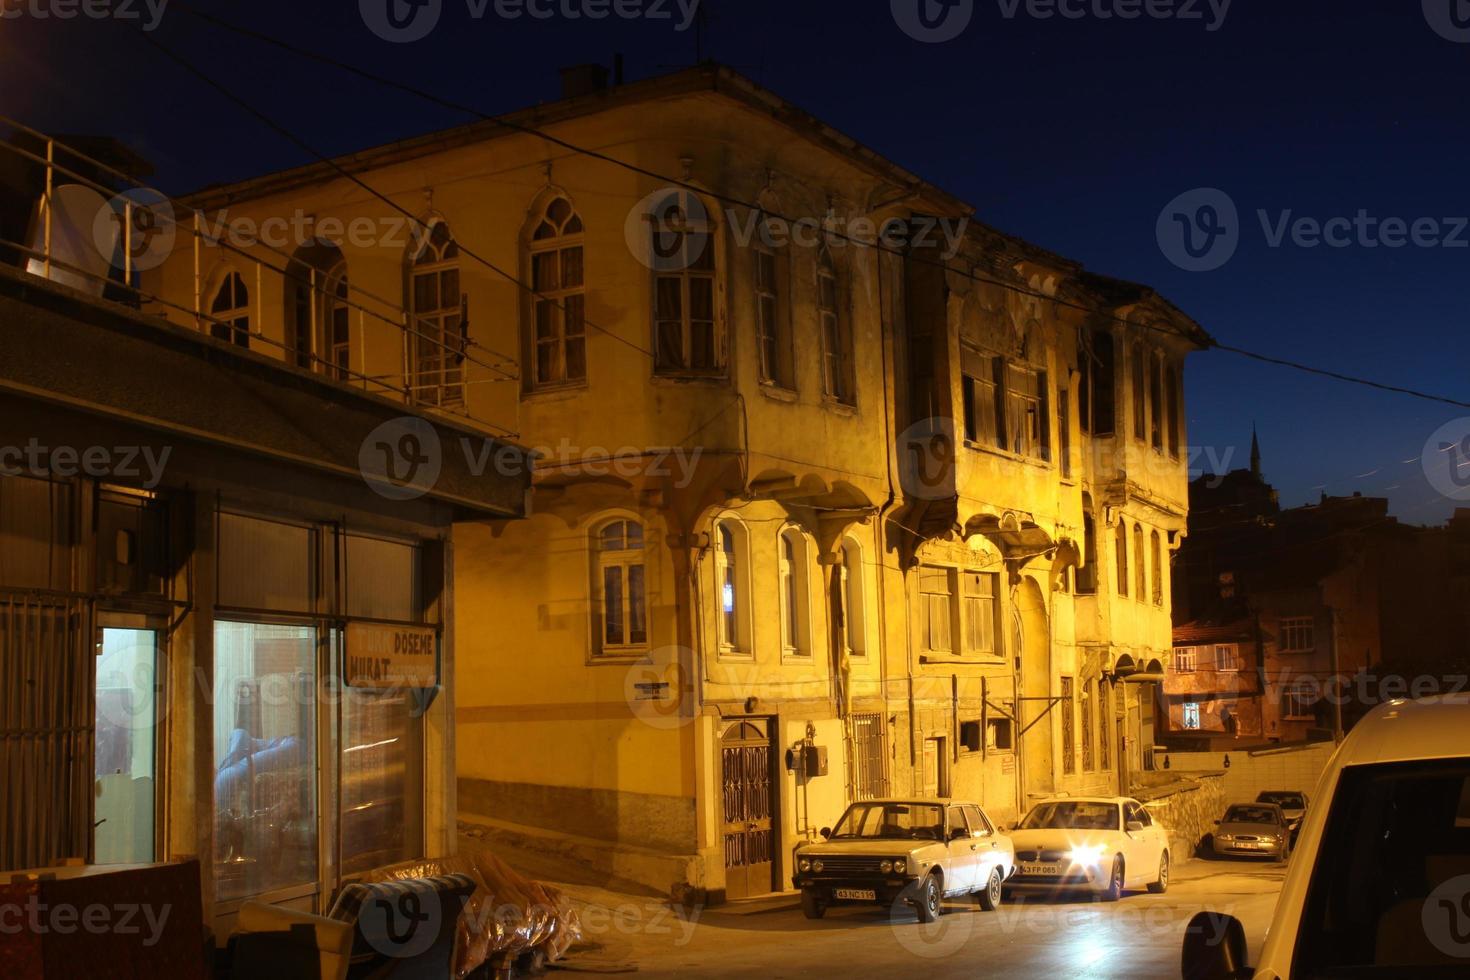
(738, 202)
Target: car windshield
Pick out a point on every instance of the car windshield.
(1250, 814)
(1283, 800)
(1070, 815)
(1404, 827)
(901, 821)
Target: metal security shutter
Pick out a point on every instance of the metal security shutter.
(47, 669)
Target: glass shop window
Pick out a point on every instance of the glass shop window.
(265, 793)
(266, 564)
(382, 780)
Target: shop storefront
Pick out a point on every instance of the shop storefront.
(217, 639)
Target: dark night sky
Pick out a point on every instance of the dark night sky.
(1072, 134)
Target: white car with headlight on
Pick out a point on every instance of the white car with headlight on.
(914, 852)
(1105, 845)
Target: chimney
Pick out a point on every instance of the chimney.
(580, 80)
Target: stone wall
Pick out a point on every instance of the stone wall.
(1247, 773)
(1186, 804)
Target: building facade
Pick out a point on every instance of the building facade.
(200, 562)
(812, 520)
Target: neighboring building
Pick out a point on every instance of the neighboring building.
(811, 522)
(1322, 604)
(194, 576)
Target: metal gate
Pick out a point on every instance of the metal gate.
(748, 793)
(47, 672)
(869, 778)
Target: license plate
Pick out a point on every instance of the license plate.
(855, 894)
(1041, 869)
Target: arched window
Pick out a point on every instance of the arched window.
(854, 602)
(835, 331)
(1087, 573)
(230, 311)
(731, 587)
(1157, 553)
(437, 311)
(318, 334)
(795, 614)
(620, 600)
(558, 322)
(1140, 565)
(773, 320)
(686, 333)
(1120, 543)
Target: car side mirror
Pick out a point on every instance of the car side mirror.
(826, 832)
(1214, 948)
(1135, 826)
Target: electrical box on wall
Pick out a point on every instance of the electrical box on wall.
(807, 760)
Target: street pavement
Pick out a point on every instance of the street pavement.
(1138, 937)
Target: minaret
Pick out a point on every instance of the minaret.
(1255, 453)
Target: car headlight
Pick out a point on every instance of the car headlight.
(817, 866)
(900, 865)
(803, 865)
(885, 866)
(1226, 836)
(1088, 854)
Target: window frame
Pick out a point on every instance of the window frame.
(561, 243)
(792, 559)
(775, 350)
(1186, 662)
(626, 558)
(687, 271)
(854, 586)
(839, 381)
(732, 568)
(448, 320)
(1294, 626)
(230, 321)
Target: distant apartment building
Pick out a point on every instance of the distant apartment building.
(1293, 622)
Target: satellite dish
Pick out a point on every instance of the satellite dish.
(74, 246)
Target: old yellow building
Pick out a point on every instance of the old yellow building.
(812, 520)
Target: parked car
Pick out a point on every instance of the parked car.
(1253, 830)
(915, 852)
(1380, 885)
(1106, 845)
(1292, 803)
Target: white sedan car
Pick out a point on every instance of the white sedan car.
(1103, 844)
(905, 852)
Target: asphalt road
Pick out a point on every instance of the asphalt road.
(1138, 937)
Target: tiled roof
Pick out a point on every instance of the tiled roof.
(1193, 633)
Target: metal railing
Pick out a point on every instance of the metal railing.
(64, 164)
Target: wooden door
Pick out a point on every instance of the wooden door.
(749, 798)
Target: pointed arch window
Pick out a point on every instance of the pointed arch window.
(682, 247)
(558, 321)
(1140, 565)
(1157, 555)
(437, 309)
(795, 615)
(318, 309)
(620, 598)
(731, 587)
(1120, 541)
(230, 311)
(836, 332)
(773, 321)
(854, 601)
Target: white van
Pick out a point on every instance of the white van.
(1379, 884)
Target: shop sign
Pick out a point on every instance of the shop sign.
(385, 656)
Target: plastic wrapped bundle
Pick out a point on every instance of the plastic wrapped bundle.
(508, 916)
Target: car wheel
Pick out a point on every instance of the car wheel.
(1285, 853)
(811, 904)
(990, 896)
(1115, 881)
(1162, 885)
(929, 900)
